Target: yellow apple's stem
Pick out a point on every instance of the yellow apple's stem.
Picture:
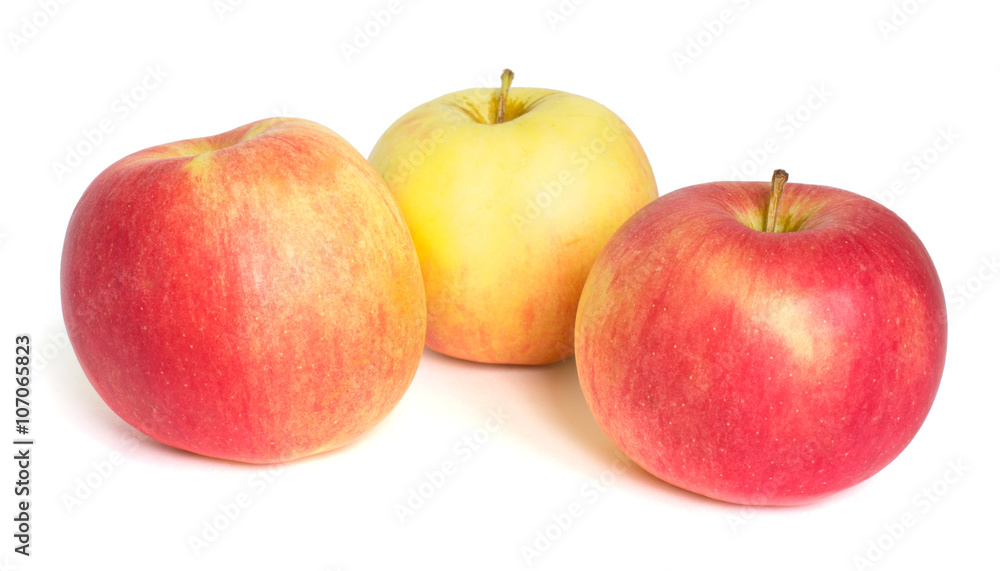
(505, 79)
(778, 180)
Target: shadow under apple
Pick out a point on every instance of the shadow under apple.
(553, 419)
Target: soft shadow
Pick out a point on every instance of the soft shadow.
(549, 403)
(564, 405)
(562, 402)
(79, 403)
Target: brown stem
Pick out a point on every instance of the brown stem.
(778, 180)
(505, 79)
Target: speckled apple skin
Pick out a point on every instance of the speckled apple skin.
(252, 296)
(762, 368)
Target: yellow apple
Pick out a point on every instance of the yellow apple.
(510, 194)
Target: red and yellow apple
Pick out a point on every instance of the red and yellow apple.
(762, 367)
(253, 296)
(509, 195)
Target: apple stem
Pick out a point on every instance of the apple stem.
(505, 79)
(778, 180)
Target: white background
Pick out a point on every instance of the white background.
(889, 93)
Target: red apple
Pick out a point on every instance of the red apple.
(762, 367)
(253, 296)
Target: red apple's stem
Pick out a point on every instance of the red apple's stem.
(505, 79)
(778, 180)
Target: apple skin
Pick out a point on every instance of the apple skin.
(253, 296)
(762, 368)
(508, 217)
